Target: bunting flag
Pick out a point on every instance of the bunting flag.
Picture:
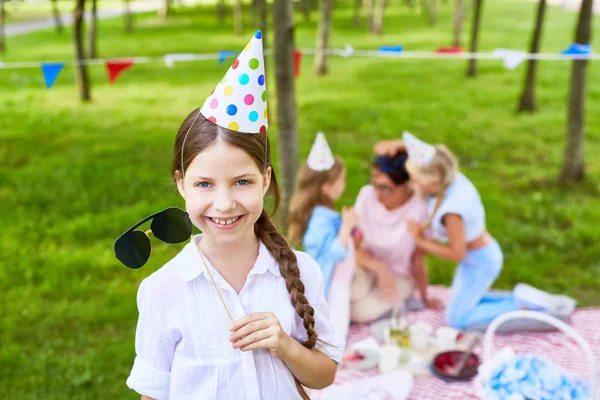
(51, 71)
(116, 67)
(450, 50)
(391, 49)
(297, 61)
(577, 49)
(224, 54)
(512, 58)
(348, 51)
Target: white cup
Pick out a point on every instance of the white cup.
(389, 355)
(446, 338)
(419, 335)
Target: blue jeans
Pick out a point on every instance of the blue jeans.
(471, 303)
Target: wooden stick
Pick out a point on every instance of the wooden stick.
(211, 278)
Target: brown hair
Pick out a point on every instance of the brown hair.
(308, 194)
(442, 168)
(198, 133)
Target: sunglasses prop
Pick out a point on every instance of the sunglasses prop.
(171, 225)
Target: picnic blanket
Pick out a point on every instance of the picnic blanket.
(554, 346)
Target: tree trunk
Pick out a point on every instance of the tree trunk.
(238, 18)
(56, 14)
(163, 11)
(221, 11)
(430, 8)
(305, 4)
(378, 17)
(574, 166)
(369, 10)
(474, 36)
(83, 79)
(263, 14)
(458, 20)
(527, 101)
(2, 17)
(286, 99)
(93, 29)
(323, 37)
(356, 19)
(127, 15)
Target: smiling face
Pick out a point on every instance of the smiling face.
(223, 190)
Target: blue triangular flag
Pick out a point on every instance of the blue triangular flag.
(51, 71)
(224, 54)
(391, 49)
(577, 49)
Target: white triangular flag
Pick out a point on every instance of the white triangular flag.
(320, 157)
(511, 58)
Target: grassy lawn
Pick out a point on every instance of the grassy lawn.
(29, 11)
(73, 177)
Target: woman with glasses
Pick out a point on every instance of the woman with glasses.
(388, 264)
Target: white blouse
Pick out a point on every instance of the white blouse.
(182, 337)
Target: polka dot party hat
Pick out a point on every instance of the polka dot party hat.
(239, 102)
(419, 152)
(320, 157)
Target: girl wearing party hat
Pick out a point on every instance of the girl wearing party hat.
(326, 235)
(457, 224)
(237, 314)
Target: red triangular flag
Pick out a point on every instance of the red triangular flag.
(115, 68)
(297, 60)
(450, 50)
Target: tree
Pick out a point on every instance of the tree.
(459, 16)
(128, 16)
(221, 11)
(164, 10)
(2, 16)
(83, 79)
(238, 17)
(378, 17)
(527, 100)
(305, 4)
(431, 9)
(369, 9)
(356, 18)
(474, 36)
(263, 12)
(323, 37)
(56, 14)
(283, 29)
(93, 29)
(574, 166)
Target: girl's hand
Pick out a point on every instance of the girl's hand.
(349, 218)
(260, 330)
(434, 304)
(415, 229)
(389, 147)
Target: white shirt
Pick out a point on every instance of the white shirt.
(182, 337)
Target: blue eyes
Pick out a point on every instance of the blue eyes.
(206, 185)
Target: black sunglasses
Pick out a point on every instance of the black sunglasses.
(171, 225)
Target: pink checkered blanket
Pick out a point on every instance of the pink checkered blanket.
(554, 346)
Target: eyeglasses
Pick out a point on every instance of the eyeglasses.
(383, 188)
(171, 225)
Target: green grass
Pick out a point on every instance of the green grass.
(73, 176)
(23, 12)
